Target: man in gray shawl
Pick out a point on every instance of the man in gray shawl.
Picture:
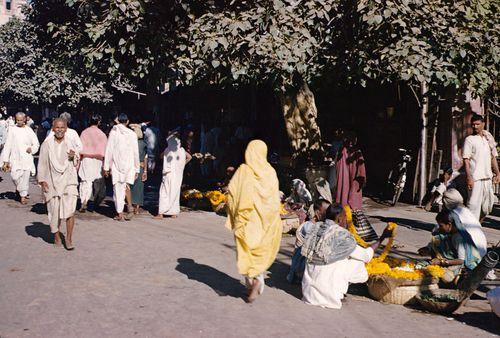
(333, 260)
(58, 177)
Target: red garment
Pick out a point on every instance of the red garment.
(94, 142)
(351, 177)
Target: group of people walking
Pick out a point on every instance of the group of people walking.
(67, 158)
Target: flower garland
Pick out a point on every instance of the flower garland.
(192, 194)
(216, 198)
(389, 266)
(352, 228)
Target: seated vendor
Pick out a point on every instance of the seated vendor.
(333, 260)
(298, 261)
(299, 200)
(460, 243)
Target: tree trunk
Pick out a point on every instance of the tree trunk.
(300, 113)
(423, 147)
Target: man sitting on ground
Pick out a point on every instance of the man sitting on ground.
(298, 261)
(333, 260)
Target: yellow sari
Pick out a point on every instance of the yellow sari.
(254, 212)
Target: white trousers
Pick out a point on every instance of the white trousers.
(85, 191)
(21, 180)
(481, 198)
(119, 190)
(60, 208)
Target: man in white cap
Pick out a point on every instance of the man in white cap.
(17, 155)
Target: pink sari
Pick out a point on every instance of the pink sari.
(351, 177)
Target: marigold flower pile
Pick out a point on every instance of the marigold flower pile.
(389, 266)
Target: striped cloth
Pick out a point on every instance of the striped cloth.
(363, 226)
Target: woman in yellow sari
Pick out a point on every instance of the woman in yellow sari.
(254, 216)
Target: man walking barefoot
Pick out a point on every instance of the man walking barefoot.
(17, 155)
(58, 178)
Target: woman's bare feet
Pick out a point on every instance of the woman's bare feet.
(159, 216)
(24, 200)
(254, 291)
(119, 218)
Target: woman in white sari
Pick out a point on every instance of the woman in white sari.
(174, 161)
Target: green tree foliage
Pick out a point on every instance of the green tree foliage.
(29, 75)
(442, 42)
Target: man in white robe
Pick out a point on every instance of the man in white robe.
(174, 161)
(58, 178)
(122, 162)
(90, 172)
(72, 137)
(325, 285)
(17, 155)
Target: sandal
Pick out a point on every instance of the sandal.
(119, 218)
(129, 216)
(70, 246)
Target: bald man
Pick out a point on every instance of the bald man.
(17, 155)
(58, 177)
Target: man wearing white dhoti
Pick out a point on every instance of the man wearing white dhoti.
(333, 260)
(480, 156)
(58, 178)
(90, 172)
(72, 138)
(121, 160)
(17, 155)
(174, 161)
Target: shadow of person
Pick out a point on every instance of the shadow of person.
(486, 321)
(40, 230)
(39, 208)
(278, 272)
(221, 283)
(8, 195)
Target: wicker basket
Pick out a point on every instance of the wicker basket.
(398, 291)
(290, 223)
(444, 307)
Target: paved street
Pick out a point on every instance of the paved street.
(178, 278)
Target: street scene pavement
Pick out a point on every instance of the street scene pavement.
(178, 278)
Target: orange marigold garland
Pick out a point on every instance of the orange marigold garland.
(352, 228)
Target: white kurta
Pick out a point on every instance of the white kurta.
(72, 140)
(482, 197)
(174, 161)
(326, 285)
(59, 173)
(90, 170)
(122, 158)
(19, 139)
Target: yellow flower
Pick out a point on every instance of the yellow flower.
(216, 198)
(352, 228)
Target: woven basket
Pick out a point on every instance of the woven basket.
(440, 307)
(290, 223)
(398, 291)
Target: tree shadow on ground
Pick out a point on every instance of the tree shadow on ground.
(408, 223)
(40, 230)
(487, 321)
(8, 195)
(221, 283)
(39, 208)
